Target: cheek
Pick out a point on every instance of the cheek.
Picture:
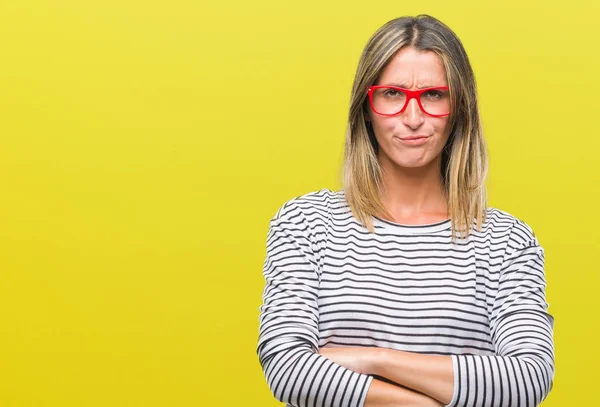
(442, 130)
(385, 127)
(441, 125)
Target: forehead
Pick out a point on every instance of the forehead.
(412, 67)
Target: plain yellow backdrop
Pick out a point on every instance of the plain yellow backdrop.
(145, 145)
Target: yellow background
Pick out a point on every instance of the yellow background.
(145, 146)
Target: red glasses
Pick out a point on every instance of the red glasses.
(392, 100)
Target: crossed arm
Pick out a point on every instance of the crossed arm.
(511, 378)
(420, 380)
(384, 394)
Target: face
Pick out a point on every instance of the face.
(413, 70)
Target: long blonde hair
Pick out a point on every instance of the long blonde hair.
(464, 158)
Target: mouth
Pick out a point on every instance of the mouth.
(413, 137)
(414, 140)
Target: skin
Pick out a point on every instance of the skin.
(414, 192)
(425, 380)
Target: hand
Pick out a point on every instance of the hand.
(357, 359)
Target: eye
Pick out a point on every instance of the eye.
(433, 94)
(393, 93)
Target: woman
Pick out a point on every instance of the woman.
(404, 288)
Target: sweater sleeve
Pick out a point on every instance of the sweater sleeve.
(288, 323)
(522, 370)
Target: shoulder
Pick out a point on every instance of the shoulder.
(304, 218)
(312, 207)
(509, 229)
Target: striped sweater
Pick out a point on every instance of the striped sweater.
(329, 282)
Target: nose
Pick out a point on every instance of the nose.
(413, 116)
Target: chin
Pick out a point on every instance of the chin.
(412, 163)
(412, 167)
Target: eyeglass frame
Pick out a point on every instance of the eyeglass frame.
(416, 94)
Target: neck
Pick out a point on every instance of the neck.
(414, 194)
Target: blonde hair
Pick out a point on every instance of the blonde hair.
(464, 158)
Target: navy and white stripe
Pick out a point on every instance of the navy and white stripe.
(329, 282)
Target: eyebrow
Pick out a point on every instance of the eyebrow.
(401, 85)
